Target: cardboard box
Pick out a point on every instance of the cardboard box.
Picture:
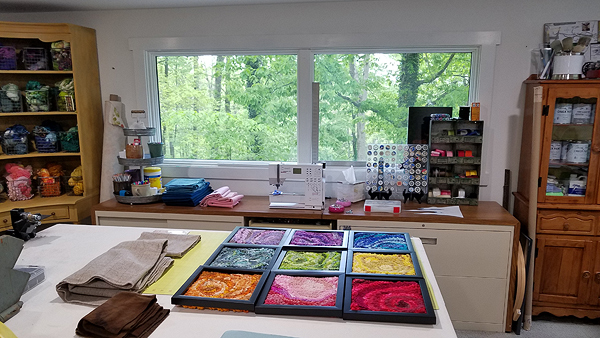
(351, 192)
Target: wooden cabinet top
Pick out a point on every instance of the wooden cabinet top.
(487, 212)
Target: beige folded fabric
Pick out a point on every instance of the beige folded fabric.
(129, 266)
(178, 245)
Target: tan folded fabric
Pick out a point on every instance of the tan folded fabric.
(129, 266)
(127, 314)
(178, 245)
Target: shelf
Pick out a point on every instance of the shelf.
(139, 132)
(454, 160)
(456, 139)
(37, 72)
(572, 125)
(39, 113)
(562, 164)
(140, 161)
(454, 180)
(452, 201)
(38, 201)
(35, 154)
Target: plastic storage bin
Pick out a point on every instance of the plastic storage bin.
(19, 189)
(61, 58)
(69, 140)
(8, 58)
(37, 100)
(34, 58)
(46, 142)
(50, 186)
(11, 101)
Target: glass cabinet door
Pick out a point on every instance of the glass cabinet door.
(568, 163)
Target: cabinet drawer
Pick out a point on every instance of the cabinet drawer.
(56, 213)
(566, 222)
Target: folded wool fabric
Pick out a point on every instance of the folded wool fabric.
(222, 197)
(126, 314)
(177, 245)
(129, 266)
(186, 191)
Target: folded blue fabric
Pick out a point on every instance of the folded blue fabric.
(186, 191)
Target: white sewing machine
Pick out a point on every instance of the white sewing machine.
(313, 181)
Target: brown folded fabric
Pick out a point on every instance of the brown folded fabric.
(127, 314)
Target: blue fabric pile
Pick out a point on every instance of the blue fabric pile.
(186, 191)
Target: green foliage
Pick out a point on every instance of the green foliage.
(243, 107)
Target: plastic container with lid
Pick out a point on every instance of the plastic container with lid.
(154, 176)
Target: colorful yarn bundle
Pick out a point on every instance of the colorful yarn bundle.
(295, 290)
(317, 238)
(224, 285)
(389, 241)
(257, 236)
(388, 296)
(397, 264)
(306, 260)
(244, 258)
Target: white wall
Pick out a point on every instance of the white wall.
(520, 24)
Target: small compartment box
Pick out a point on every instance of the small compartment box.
(388, 299)
(229, 256)
(387, 263)
(331, 239)
(35, 58)
(221, 289)
(61, 58)
(302, 294)
(37, 100)
(324, 260)
(50, 186)
(257, 236)
(375, 241)
(11, 101)
(8, 58)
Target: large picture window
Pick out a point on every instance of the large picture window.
(241, 107)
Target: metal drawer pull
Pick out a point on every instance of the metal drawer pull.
(586, 274)
(429, 241)
(598, 276)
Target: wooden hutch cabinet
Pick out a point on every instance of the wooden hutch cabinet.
(558, 194)
(85, 113)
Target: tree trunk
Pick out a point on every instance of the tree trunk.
(218, 75)
(361, 152)
(408, 84)
(252, 64)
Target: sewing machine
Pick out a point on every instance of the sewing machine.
(313, 181)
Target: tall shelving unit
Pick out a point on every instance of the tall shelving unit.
(87, 117)
(450, 172)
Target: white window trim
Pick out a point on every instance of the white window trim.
(482, 44)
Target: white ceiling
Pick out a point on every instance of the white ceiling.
(20, 6)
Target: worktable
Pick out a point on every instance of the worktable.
(64, 249)
(474, 257)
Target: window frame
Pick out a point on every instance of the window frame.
(482, 45)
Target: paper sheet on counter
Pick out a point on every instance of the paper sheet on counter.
(453, 211)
